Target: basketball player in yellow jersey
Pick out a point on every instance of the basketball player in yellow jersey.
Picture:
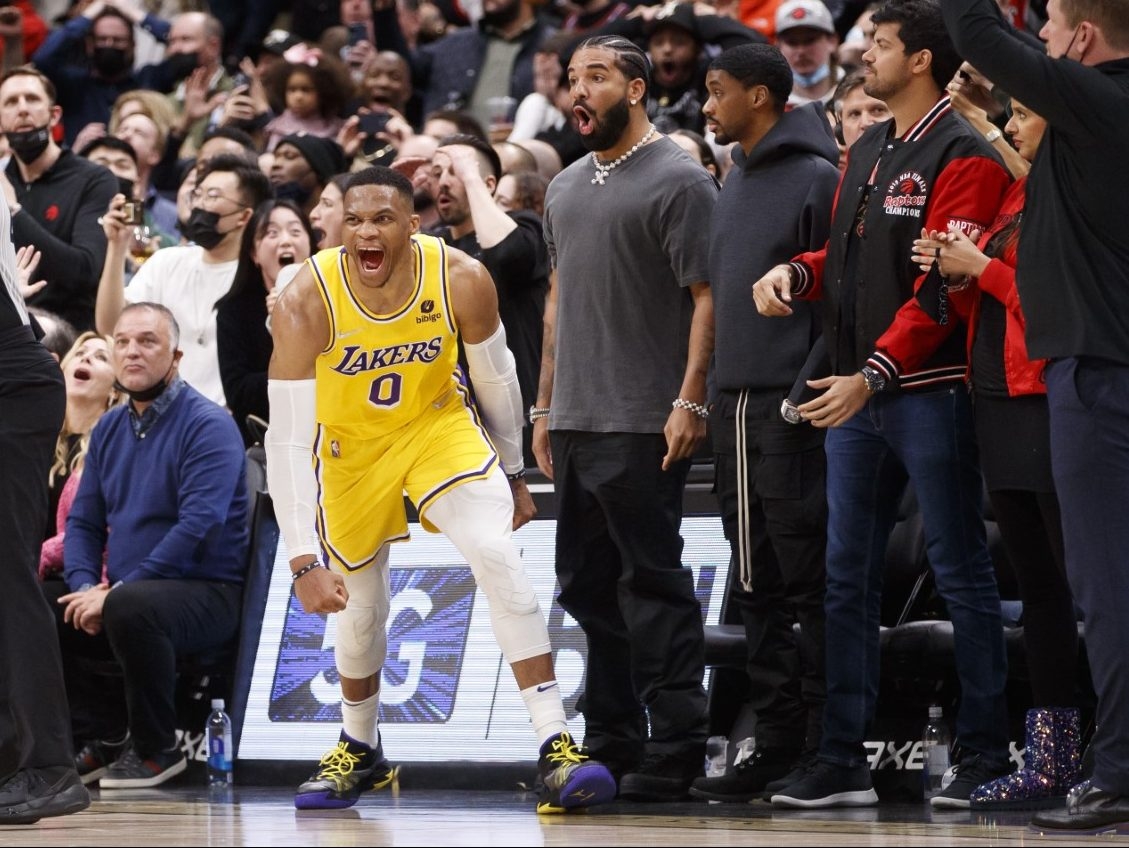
(361, 394)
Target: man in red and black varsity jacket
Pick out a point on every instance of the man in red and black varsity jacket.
(895, 406)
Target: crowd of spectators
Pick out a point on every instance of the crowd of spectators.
(194, 159)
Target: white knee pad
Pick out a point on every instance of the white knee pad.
(515, 614)
(362, 638)
(477, 518)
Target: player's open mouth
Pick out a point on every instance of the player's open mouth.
(370, 259)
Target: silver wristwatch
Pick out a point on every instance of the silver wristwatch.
(875, 380)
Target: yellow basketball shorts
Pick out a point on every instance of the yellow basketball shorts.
(362, 481)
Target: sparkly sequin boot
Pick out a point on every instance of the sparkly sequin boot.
(1052, 764)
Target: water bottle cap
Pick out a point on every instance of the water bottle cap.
(217, 703)
(935, 711)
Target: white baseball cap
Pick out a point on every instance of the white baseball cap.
(812, 14)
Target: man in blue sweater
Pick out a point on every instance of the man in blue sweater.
(163, 495)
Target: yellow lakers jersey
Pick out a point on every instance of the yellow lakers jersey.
(380, 372)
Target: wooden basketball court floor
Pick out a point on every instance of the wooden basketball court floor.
(187, 815)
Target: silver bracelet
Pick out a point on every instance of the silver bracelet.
(696, 408)
(538, 412)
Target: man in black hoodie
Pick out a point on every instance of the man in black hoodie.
(1073, 279)
(55, 198)
(776, 203)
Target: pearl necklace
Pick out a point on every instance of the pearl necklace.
(602, 171)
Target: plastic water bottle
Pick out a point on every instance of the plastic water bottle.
(935, 743)
(218, 733)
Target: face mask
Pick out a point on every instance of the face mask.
(28, 145)
(816, 76)
(202, 227)
(146, 395)
(292, 190)
(111, 61)
(181, 64)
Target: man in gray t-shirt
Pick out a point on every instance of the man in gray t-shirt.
(628, 338)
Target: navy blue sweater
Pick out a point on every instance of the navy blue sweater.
(174, 501)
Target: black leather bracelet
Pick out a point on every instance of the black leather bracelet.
(306, 569)
(520, 475)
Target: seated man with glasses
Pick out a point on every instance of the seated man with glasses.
(188, 279)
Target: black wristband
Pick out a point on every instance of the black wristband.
(306, 569)
(520, 475)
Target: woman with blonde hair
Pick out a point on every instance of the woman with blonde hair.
(89, 376)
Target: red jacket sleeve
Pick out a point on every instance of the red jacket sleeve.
(967, 194)
(809, 266)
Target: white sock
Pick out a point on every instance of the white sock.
(545, 710)
(358, 718)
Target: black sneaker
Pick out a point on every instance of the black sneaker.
(344, 773)
(748, 778)
(664, 777)
(801, 768)
(967, 775)
(620, 758)
(32, 794)
(132, 771)
(569, 779)
(829, 785)
(95, 757)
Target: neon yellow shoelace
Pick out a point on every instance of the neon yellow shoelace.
(338, 763)
(566, 751)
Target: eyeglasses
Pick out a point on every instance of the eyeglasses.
(211, 196)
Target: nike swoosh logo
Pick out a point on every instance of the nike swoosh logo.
(348, 333)
(546, 687)
(583, 795)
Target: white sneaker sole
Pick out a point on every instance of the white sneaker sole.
(143, 782)
(940, 802)
(93, 777)
(861, 798)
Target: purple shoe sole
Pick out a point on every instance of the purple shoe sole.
(588, 785)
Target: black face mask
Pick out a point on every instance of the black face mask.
(149, 394)
(111, 62)
(28, 145)
(181, 64)
(202, 227)
(292, 190)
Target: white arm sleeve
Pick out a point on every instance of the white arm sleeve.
(289, 447)
(493, 374)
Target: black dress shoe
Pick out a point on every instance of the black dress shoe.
(1087, 810)
(32, 794)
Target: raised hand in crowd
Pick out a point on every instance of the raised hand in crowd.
(27, 260)
(118, 232)
(199, 100)
(971, 95)
(91, 132)
(11, 22)
(351, 137)
(360, 57)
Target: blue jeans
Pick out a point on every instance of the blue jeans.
(929, 437)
